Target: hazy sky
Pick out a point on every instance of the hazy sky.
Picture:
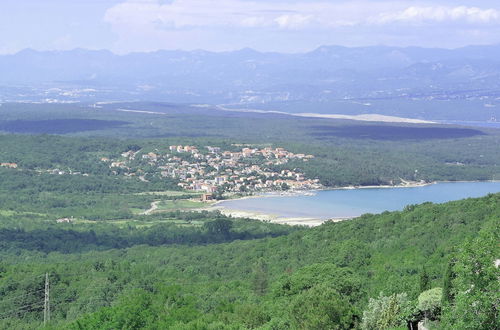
(271, 25)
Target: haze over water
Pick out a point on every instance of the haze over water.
(343, 203)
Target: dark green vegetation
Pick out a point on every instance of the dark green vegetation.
(347, 153)
(317, 278)
(87, 188)
(114, 267)
(395, 133)
(58, 126)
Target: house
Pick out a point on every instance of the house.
(118, 164)
(9, 165)
(151, 156)
(213, 150)
(247, 152)
(208, 188)
(207, 197)
(220, 179)
(129, 154)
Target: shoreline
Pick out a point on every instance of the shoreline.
(311, 192)
(361, 117)
(309, 221)
(272, 218)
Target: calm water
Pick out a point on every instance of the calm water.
(349, 203)
(488, 124)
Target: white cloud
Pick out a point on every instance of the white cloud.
(439, 14)
(294, 21)
(229, 24)
(184, 14)
(254, 22)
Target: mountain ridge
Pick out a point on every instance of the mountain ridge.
(246, 77)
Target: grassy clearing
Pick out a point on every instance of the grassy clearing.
(136, 210)
(10, 213)
(181, 204)
(7, 213)
(169, 193)
(143, 223)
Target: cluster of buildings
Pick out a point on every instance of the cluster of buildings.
(8, 165)
(212, 170)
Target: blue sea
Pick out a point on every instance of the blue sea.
(343, 203)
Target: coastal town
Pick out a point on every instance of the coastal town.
(214, 171)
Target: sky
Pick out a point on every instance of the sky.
(125, 26)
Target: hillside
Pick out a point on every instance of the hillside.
(67, 212)
(345, 152)
(307, 279)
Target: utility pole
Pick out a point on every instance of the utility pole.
(46, 303)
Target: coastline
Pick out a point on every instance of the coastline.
(272, 218)
(306, 221)
(310, 192)
(362, 117)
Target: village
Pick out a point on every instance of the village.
(213, 171)
(210, 170)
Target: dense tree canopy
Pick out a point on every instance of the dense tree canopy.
(114, 267)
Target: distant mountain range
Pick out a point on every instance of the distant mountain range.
(330, 79)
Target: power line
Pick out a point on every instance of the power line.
(93, 299)
(48, 304)
(22, 307)
(28, 279)
(30, 307)
(21, 295)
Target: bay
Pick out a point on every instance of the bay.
(346, 203)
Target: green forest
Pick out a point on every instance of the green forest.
(113, 266)
(374, 272)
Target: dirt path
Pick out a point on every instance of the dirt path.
(154, 207)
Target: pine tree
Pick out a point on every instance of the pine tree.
(425, 282)
(261, 277)
(449, 275)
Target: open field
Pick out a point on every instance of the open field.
(170, 193)
(179, 204)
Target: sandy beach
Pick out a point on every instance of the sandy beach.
(306, 221)
(309, 222)
(374, 117)
(303, 221)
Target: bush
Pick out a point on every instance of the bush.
(321, 308)
(387, 312)
(429, 303)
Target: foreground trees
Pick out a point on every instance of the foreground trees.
(475, 287)
(194, 276)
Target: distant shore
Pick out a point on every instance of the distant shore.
(406, 184)
(362, 117)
